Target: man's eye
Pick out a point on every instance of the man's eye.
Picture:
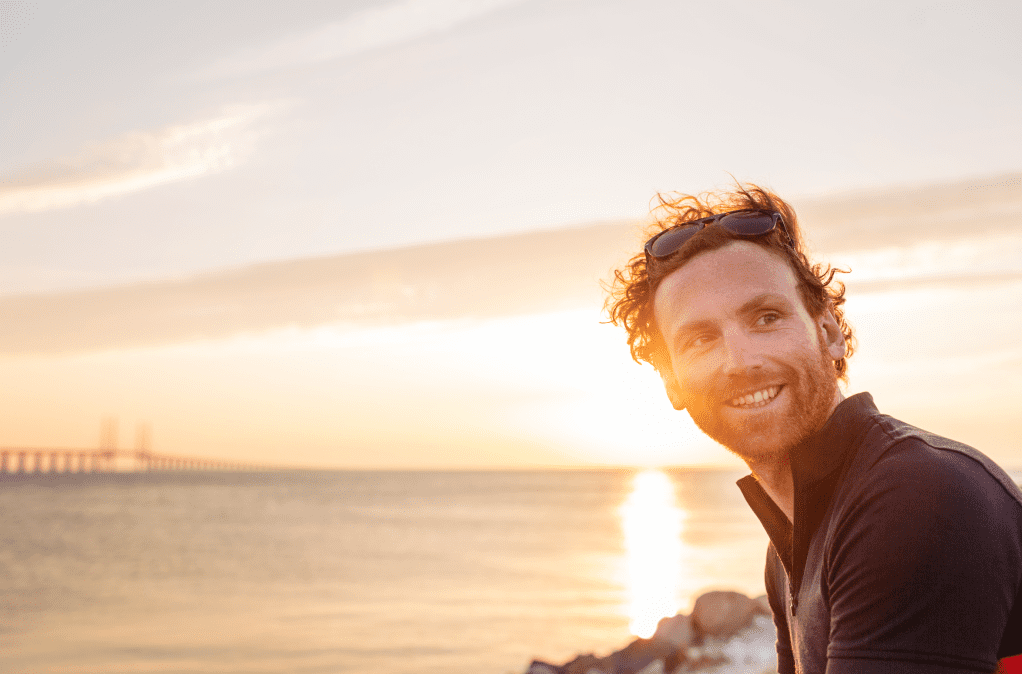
(699, 340)
(768, 318)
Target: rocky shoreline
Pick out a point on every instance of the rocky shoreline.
(726, 632)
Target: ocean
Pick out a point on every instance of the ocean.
(369, 572)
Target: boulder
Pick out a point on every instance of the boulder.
(675, 660)
(763, 605)
(636, 656)
(721, 614)
(582, 664)
(540, 667)
(676, 630)
(655, 667)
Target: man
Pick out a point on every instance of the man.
(892, 549)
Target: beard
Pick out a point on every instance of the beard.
(809, 393)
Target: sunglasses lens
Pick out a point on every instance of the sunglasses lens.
(671, 240)
(743, 223)
(748, 223)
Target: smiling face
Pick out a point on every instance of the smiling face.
(754, 369)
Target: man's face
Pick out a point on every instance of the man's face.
(752, 366)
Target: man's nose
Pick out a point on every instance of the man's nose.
(739, 354)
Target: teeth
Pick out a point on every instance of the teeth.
(762, 396)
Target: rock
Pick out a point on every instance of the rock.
(754, 648)
(582, 664)
(725, 630)
(705, 661)
(637, 655)
(655, 667)
(676, 659)
(721, 614)
(676, 630)
(750, 650)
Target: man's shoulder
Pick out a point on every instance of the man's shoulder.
(899, 453)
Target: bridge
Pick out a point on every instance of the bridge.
(66, 460)
(107, 458)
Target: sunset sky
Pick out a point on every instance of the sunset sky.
(370, 234)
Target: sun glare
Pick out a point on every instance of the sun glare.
(651, 522)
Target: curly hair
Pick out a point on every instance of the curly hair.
(630, 295)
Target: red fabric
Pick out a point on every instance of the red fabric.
(1012, 665)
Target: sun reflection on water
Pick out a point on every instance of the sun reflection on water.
(651, 523)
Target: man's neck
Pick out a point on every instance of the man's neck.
(776, 480)
(775, 476)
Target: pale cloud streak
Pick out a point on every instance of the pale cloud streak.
(993, 256)
(133, 162)
(369, 29)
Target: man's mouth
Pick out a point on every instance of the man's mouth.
(755, 399)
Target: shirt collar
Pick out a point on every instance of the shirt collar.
(815, 465)
(823, 452)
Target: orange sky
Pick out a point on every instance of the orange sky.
(362, 234)
(501, 361)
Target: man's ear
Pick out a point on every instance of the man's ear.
(833, 338)
(672, 388)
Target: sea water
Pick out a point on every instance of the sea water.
(319, 571)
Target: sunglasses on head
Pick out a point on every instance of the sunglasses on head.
(746, 222)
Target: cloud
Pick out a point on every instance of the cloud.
(133, 162)
(909, 217)
(362, 31)
(475, 279)
(510, 275)
(983, 258)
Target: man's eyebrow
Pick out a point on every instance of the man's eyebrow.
(693, 326)
(759, 301)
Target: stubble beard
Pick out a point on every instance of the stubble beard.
(811, 392)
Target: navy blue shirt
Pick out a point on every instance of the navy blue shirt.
(905, 554)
